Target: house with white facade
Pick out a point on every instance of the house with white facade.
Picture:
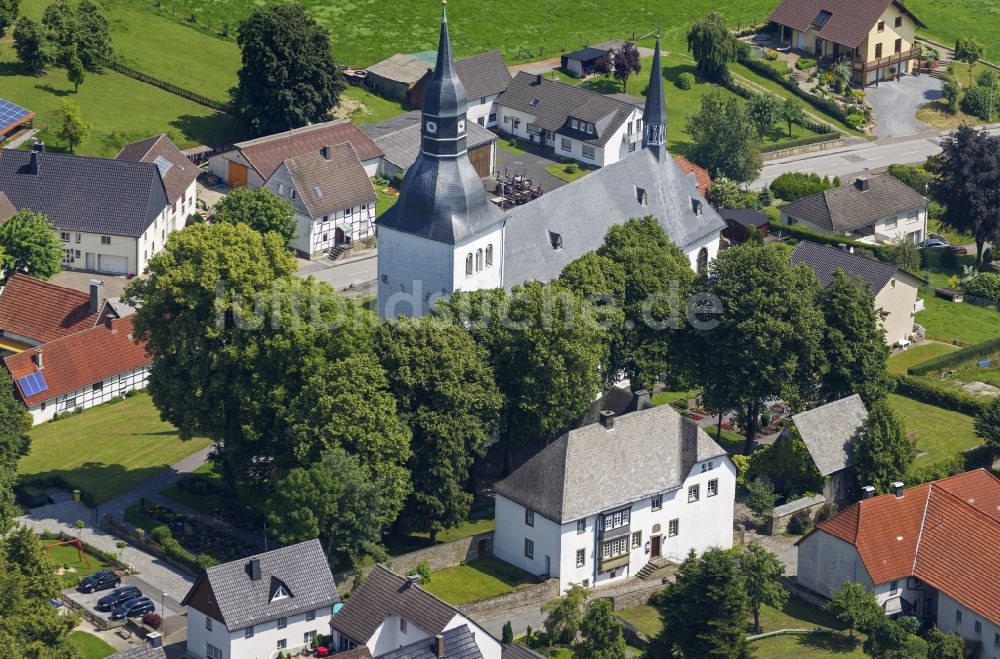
(388, 612)
(251, 163)
(111, 216)
(332, 197)
(601, 502)
(894, 288)
(870, 209)
(485, 76)
(591, 128)
(444, 234)
(930, 551)
(254, 608)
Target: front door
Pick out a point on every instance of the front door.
(654, 547)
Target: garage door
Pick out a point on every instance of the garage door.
(480, 157)
(237, 175)
(116, 265)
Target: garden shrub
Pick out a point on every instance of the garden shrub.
(800, 522)
(983, 284)
(827, 511)
(976, 101)
(804, 63)
(988, 78)
(198, 484)
(685, 80)
(924, 473)
(151, 619)
(948, 259)
(422, 570)
(742, 464)
(855, 120)
(792, 186)
(914, 176)
(932, 393)
(771, 55)
(570, 168)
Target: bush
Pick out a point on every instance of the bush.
(983, 284)
(800, 522)
(198, 484)
(570, 168)
(948, 259)
(924, 473)
(742, 463)
(856, 120)
(912, 175)
(685, 81)
(792, 186)
(928, 391)
(771, 55)
(827, 511)
(976, 100)
(422, 570)
(805, 63)
(151, 619)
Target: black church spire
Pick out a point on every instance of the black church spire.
(654, 116)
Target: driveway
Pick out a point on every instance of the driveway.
(896, 104)
(532, 161)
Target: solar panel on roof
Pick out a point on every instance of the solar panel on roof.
(163, 165)
(11, 114)
(33, 383)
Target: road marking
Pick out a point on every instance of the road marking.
(907, 153)
(877, 158)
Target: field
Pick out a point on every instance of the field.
(940, 433)
(90, 646)
(476, 580)
(107, 450)
(947, 20)
(901, 361)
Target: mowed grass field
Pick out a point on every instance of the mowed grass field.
(107, 450)
(901, 361)
(941, 433)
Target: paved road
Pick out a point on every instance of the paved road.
(858, 158)
(354, 277)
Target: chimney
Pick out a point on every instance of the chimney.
(33, 164)
(642, 399)
(37, 359)
(867, 492)
(253, 569)
(325, 152)
(538, 78)
(608, 420)
(95, 295)
(861, 183)
(897, 489)
(439, 645)
(412, 580)
(38, 147)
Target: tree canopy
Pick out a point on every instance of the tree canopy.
(15, 422)
(855, 607)
(288, 78)
(882, 451)
(73, 129)
(259, 209)
(987, 426)
(713, 46)
(30, 45)
(762, 572)
(625, 62)
(93, 35)
(602, 635)
(565, 615)
(970, 51)
(726, 143)
(8, 14)
(29, 246)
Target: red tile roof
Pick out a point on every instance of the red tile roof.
(266, 153)
(177, 172)
(41, 311)
(80, 359)
(700, 175)
(946, 533)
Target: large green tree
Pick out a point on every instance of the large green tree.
(968, 177)
(260, 209)
(336, 500)
(60, 21)
(713, 46)
(764, 110)
(882, 451)
(564, 615)
(657, 282)
(73, 129)
(762, 572)
(8, 14)
(853, 341)
(704, 611)
(726, 143)
(888, 639)
(855, 607)
(446, 394)
(30, 45)
(602, 634)
(787, 462)
(969, 50)
(547, 352)
(944, 646)
(288, 78)
(757, 333)
(194, 302)
(987, 426)
(30, 246)
(93, 35)
(15, 422)
(29, 625)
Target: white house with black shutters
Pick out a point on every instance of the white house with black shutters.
(605, 499)
(256, 607)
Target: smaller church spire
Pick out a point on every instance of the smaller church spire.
(655, 113)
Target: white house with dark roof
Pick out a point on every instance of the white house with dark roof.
(895, 289)
(387, 612)
(575, 123)
(870, 209)
(586, 510)
(179, 178)
(256, 607)
(331, 194)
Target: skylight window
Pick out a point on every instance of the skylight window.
(821, 20)
(163, 165)
(555, 240)
(534, 102)
(319, 193)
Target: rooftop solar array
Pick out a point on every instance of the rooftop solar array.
(12, 115)
(33, 384)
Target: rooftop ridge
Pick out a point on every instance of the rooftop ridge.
(263, 139)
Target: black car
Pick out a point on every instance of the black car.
(117, 597)
(133, 608)
(99, 581)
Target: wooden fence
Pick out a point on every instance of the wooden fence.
(166, 86)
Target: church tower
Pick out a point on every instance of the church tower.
(443, 234)
(654, 118)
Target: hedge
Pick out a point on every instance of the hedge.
(806, 122)
(173, 549)
(801, 141)
(983, 284)
(932, 393)
(974, 352)
(824, 104)
(801, 233)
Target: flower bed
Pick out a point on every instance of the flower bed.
(195, 536)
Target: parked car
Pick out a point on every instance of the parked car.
(117, 597)
(99, 581)
(934, 243)
(958, 249)
(133, 608)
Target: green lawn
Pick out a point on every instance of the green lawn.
(901, 361)
(90, 646)
(560, 171)
(515, 148)
(398, 545)
(67, 558)
(204, 503)
(109, 449)
(645, 618)
(947, 20)
(367, 108)
(951, 321)
(477, 580)
(940, 433)
(814, 646)
(385, 200)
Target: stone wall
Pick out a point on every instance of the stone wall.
(805, 148)
(636, 597)
(520, 598)
(777, 523)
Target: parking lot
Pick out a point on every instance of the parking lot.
(88, 601)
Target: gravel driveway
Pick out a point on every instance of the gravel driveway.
(896, 103)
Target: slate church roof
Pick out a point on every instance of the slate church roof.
(594, 468)
(829, 431)
(244, 601)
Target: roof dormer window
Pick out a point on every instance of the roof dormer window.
(555, 240)
(280, 594)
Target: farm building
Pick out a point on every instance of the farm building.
(581, 62)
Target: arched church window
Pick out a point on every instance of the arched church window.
(702, 259)
(489, 256)
(468, 264)
(479, 260)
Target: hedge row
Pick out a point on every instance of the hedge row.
(45, 481)
(800, 141)
(974, 352)
(173, 549)
(807, 123)
(932, 393)
(823, 104)
(801, 233)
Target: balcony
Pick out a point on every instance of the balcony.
(894, 58)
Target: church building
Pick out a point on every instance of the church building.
(444, 234)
